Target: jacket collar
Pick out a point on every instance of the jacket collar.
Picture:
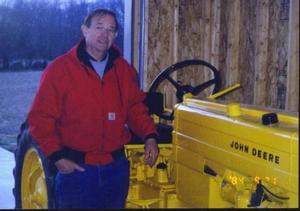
(84, 57)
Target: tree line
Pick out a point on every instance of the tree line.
(33, 32)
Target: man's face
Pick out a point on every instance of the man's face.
(101, 33)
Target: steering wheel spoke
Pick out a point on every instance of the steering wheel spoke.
(203, 86)
(173, 82)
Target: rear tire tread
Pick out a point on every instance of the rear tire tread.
(24, 143)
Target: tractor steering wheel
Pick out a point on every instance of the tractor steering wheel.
(182, 89)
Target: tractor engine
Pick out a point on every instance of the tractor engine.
(223, 155)
(234, 156)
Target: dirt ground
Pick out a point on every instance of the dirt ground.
(17, 90)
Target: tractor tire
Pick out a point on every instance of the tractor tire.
(34, 176)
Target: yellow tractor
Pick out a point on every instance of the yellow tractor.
(213, 154)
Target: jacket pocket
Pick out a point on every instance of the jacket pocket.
(114, 130)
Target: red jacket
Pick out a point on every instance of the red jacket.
(77, 109)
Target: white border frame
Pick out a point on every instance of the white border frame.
(127, 40)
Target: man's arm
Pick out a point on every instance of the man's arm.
(45, 112)
(141, 123)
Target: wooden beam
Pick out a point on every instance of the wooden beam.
(292, 99)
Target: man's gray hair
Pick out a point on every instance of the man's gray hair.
(100, 12)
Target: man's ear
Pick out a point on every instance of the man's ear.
(84, 29)
(116, 34)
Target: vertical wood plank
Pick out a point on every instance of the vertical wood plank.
(274, 70)
(207, 31)
(161, 40)
(261, 53)
(224, 13)
(292, 101)
(191, 39)
(233, 50)
(276, 80)
(207, 38)
(215, 32)
(172, 98)
(247, 49)
(175, 31)
(160, 32)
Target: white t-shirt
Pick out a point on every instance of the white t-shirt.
(99, 66)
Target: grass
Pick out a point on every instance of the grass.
(17, 90)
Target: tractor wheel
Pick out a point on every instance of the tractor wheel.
(33, 174)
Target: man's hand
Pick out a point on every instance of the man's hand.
(66, 166)
(151, 151)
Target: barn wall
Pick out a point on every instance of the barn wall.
(255, 43)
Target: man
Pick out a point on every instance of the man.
(87, 100)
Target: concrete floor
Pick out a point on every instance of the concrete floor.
(7, 163)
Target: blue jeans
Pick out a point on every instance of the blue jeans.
(99, 186)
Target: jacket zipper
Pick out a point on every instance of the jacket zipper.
(102, 111)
